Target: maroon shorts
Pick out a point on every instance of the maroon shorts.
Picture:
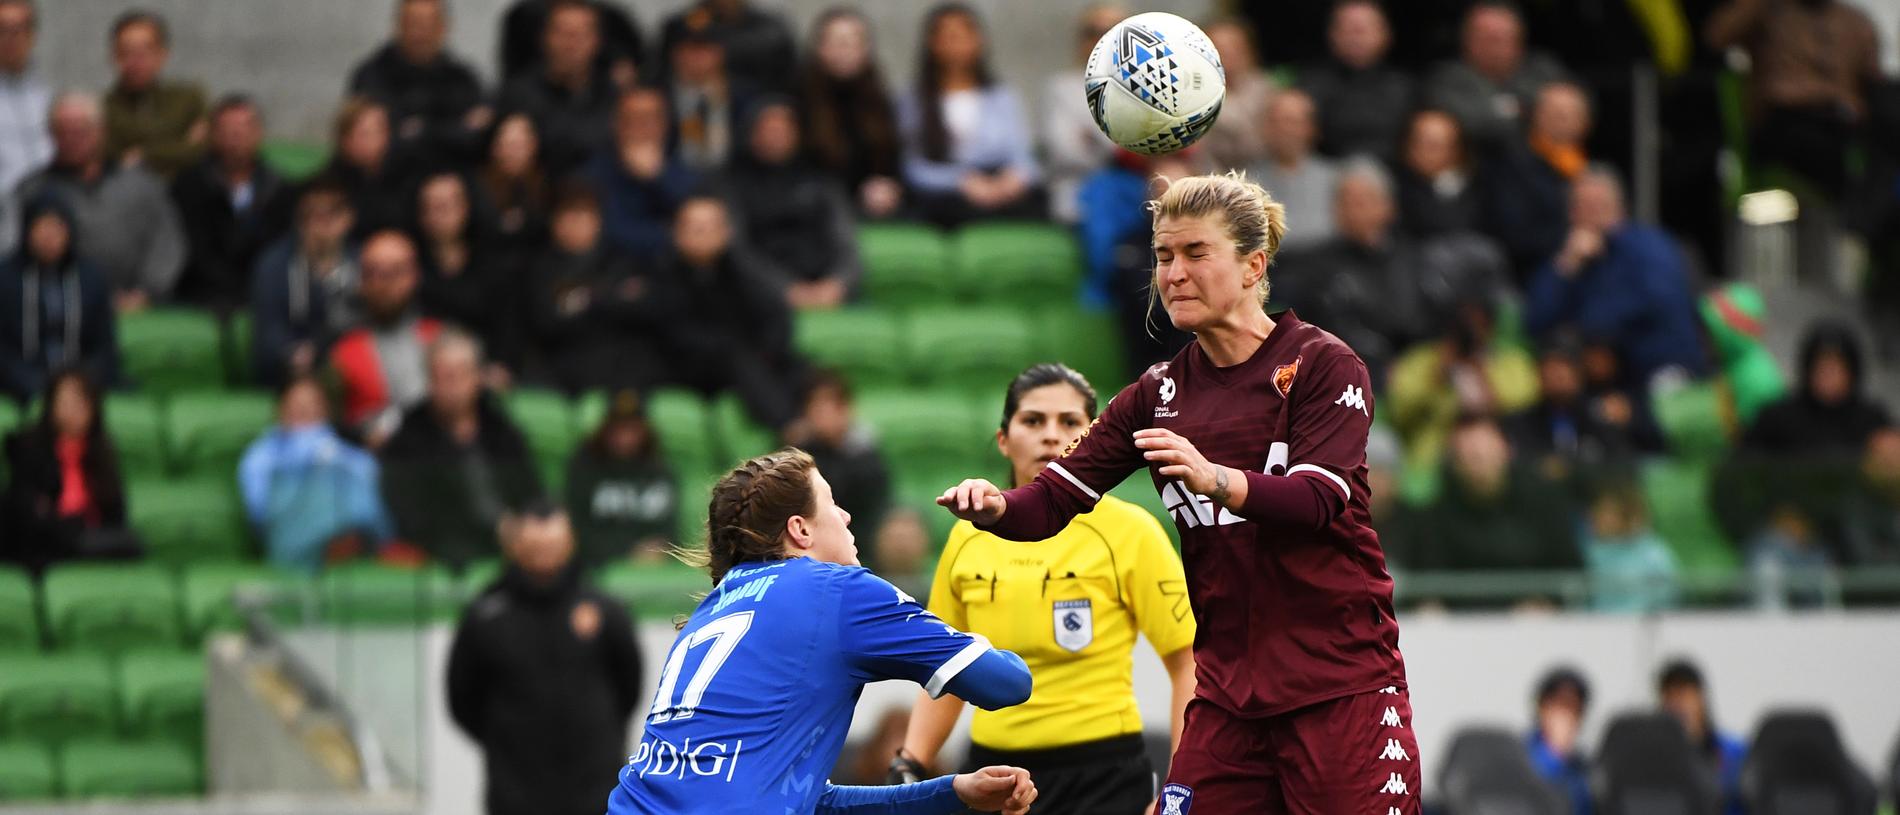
(1354, 754)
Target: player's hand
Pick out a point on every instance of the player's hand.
(1008, 790)
(1179, 459)
(975, 500)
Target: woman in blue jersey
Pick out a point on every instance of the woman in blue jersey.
(757, 691)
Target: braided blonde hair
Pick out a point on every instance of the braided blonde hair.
(748, 511)
(1254, 220)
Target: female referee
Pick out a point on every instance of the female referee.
(1071, 606)
(1255, 436)
(758, 689)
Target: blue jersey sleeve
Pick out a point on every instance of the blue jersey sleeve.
(938, 796)
(885, 634)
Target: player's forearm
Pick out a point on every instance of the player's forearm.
(933, 797)
(1180, 665)
(1291, 500)
(1035, 511)
(931, 721)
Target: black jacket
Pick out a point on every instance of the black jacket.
(225, 244)
(428, 104)
(572, 124)
(482, 297)
(545, 678)
(523, 27)
(430, 482)
(593, 319)
(381, 201)
(799, 216)
(1426, 211)
(618, 503)
(1360, 112)
(36, 535)
(35, 340)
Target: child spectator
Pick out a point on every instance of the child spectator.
(1631, 568)
(311, 495)
(621, 492)
(65, 499)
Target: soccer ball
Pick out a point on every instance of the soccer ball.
(1154, 83)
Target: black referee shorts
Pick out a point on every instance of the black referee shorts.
(1107, 777)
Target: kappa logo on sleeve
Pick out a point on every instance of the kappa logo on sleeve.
(1354, 398)
(1176, 799)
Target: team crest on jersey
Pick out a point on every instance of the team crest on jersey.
(1176, 799)
(1075, 624)
(1283, 376)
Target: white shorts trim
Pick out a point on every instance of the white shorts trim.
(1058, 469)
(956, 664)
(1329, 474)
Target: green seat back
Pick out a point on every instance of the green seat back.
(55, 697)
(1090, 342)
(862, 343)
(1691, 420)
(209, 430)
(904, 264)
(695, 493)
(27, 772)
(655, 591)
(237, 347)
(162, 695)
(683, 424)
(190, 519)
(740, 437)
(136, 423)
(547, 419)
(168, 349)
(208, 590)
(1015, 262)
(10, 415)
(927, 431)
(94, 768)
(112, 607)
(976, 350)
(19, 617)
(295, 160)
(370, 594)
(1678, 496)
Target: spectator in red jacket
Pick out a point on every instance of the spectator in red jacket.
(381, 364)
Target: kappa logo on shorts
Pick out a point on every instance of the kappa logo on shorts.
(1391, 718)
(1394, 751)
(1395, 785)
(1176, 799)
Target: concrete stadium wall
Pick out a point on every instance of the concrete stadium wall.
(296, 55)
(1464, 669)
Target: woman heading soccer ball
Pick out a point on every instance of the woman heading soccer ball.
(1071, 605)
(757, 692)
(1255, 436)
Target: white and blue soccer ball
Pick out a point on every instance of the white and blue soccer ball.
(1154, 83)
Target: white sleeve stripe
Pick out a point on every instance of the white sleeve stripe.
(956, 664)
(1329, 475)
(1058, 469)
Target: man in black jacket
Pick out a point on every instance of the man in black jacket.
(434, 100)
(544, 674)
(458, 464)
(233, 205)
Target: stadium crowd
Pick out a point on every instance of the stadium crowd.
(1562, 386)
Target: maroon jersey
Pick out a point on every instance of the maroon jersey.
(1288, 616)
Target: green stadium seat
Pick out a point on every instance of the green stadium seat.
(19, 627)
(50, 698)
(171, 349)
(927, 431)
(10, 415)
(190, 519)
(905, 264)
(295, 160)
(1678, 496)
(864, 344)
(207, 594)
(237, 348)
(27, 772)
(547, 419)
(136, 423)
(371, 594)
(695, 493)
(976, 350)
(659, 590)
(111, 607)
(162, 695)
(1087, 341)
(1691, 420)
(208, 431)
(680, 419)
(95, 768)
(1018, 262)
(740, 437)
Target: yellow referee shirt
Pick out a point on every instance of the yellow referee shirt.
(1070, 606)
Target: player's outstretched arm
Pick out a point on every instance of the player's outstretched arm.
(992, 789)
(975, 500)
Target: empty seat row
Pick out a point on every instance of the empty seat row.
(970, 348)
(1001, 261)
(119, 607)
(54, 698)
(98, 768)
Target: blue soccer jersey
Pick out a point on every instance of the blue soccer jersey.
(758, 689)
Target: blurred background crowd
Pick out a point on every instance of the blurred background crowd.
(1625, 274)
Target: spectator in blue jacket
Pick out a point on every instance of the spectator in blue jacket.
(303, 291)
(1683, 694)
(1562, 697)
(310, 493)
(641, 183)
(1621, 282)
(968, 150)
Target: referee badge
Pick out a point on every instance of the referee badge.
(1075, 624)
